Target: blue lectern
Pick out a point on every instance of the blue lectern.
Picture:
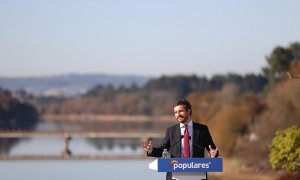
(188, 168)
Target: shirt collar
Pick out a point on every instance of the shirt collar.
(190, 124)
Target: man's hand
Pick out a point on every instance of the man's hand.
(147, 146)
(213, 152)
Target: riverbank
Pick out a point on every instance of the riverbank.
(106, 118)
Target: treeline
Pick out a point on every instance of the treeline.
(14, 115)
(183, 85)
(154, 98)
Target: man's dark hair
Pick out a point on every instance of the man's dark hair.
(186, 103)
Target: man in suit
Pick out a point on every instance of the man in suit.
(185, 139)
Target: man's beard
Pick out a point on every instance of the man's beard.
(182, 119)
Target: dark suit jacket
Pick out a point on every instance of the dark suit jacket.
(172, 141)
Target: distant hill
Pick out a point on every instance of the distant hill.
(69, 84)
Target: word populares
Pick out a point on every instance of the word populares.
(178, 165)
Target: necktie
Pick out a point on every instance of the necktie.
(186, 150)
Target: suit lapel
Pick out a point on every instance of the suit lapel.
(196, 135)
(177, 136)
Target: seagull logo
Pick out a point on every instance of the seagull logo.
(173, 162)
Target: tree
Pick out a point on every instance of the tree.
(227, 125)
(282, 109)
(295, 48)
(205, 105)
(280, 61)
(14, 115)
(285, 149)
(295, 70)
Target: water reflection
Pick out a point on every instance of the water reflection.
(39, 146)
(111, 143)
(56, 145)
(6, 144)
(75, 169)
(79, 170)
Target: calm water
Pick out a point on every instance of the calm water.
(78, 170)
(75, 169)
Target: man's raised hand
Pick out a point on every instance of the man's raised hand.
(147, 146)
(213, 152)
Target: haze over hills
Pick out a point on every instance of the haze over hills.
(68, 84)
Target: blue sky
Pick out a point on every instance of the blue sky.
(138, 37)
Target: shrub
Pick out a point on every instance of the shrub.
(285, 149)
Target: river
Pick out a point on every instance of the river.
(78, 170)
(128, 169)
(74, 169)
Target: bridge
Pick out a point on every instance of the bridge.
(67, 136)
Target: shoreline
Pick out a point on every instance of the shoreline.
(106, 118)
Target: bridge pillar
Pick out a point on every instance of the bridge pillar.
(67, 151)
